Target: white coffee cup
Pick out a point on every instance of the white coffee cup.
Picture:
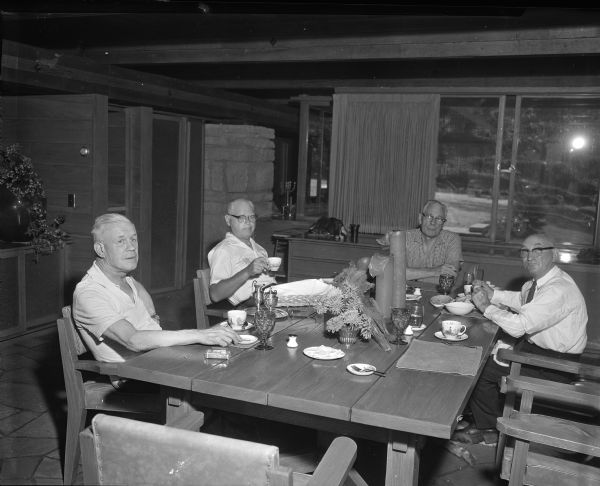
(274, 263)
(453, 329)
(236, 318)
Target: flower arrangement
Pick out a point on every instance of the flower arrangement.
(18, 176)
(348, 302)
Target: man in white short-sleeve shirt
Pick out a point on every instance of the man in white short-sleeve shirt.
(114, 312)
(238, 260)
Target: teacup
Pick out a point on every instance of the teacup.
(274, 263)
(453, 329)
(236, 318)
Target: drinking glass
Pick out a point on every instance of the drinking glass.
(270, 300)
(264, 321)
(400, 316)
(446, 283)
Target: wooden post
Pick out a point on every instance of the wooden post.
(398, 251)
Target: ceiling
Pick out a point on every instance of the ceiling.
(278, 50)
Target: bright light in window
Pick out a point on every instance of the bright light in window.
(578, 143)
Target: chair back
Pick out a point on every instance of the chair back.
(71, 347)
(124, 451)
(202, 300)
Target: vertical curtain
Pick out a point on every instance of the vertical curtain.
(383, 154)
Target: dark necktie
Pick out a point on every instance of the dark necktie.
(531, 292)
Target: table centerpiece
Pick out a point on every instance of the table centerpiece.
(352, 312)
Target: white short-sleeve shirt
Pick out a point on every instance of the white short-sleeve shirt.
(229, 257)
(98, 304)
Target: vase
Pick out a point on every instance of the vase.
(347, 335)
(15, 216)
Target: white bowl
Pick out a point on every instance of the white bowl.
(440, 300)
(460, 308)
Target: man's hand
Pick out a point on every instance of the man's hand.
(258, 266)
(480, 285)
(218, 335)
(481, 299)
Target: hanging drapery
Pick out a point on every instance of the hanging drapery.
(383, 153)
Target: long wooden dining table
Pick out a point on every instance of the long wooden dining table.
(399, 409)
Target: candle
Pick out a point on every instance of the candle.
(398, 251)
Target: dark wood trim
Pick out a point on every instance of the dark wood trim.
(44, 69)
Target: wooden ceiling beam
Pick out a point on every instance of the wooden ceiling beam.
(468, 44)
(38, 68)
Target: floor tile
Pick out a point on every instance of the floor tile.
(48, 468)
(18, 361)
(42, 426)
(14, 447)
(19, 468)
(16, 421)
(20, 375)
(26, 396)
(6, 411)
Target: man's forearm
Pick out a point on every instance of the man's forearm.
(416, 273)
(227, 287)
(146, 340)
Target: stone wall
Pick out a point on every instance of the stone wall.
(238, 163)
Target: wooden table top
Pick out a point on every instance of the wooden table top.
(417, 402)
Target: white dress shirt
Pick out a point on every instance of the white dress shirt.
(555, 319)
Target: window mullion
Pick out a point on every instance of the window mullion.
(497, 162)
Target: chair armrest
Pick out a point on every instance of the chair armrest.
(96, 366)
(339, 458)
(554, 432)
(584, 396)
(540, 361)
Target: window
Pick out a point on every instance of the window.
(500, 188)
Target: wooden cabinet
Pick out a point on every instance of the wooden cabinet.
(31, 293)
(313, 258)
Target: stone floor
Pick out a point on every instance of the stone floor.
(33, 418)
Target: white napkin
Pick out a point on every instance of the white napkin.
(310, 286)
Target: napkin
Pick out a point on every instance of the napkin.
(441, 358)
(311, 286)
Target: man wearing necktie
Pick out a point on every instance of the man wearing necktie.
(548, 317)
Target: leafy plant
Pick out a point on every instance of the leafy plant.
(18, 175)
(348, 302)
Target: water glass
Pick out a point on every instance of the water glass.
(415, 311)
(446, 283)
(264, 321)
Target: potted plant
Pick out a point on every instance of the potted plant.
(348, 304)
(23, 205)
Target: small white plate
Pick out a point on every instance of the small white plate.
(247, 340)
(413, 297)
(236, 328)
(419, 328)
(365, 369)
(439, 335)
(323, 352)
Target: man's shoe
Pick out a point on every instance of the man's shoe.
(473, 435)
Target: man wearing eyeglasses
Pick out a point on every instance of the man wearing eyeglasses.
(430, 249)
(238, 260)
(547, 316)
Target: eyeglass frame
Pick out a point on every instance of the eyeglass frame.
(534, 252)
(242, 218)
(434, 219)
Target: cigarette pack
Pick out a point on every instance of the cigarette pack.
(217, 353)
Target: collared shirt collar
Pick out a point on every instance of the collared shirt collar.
(100, 277)
(551, 273)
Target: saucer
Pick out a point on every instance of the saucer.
(365, 369)
(462, 337)
(246, 340)
(323, 352)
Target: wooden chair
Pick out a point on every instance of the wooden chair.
(202, 300)
(123, 451)
(522, 463)
(579, 369)
(88, 394)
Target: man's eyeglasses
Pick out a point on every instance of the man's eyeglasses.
(535, 252)
(434, 219)
(242, 218)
